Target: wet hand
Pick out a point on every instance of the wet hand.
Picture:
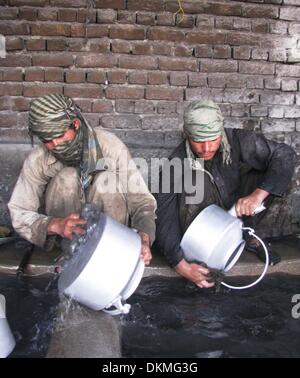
(195, 273)
(146, 254)
(247, 205)
(67, 227)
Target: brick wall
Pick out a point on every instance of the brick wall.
(133, 65)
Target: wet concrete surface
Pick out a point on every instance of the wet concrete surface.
(31, 312)
(173, 318)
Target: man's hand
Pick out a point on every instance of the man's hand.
(195, 273)
(66, 227)
(247, 205)
(145, 251)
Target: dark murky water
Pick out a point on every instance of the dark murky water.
(31, 306)
(172, 318)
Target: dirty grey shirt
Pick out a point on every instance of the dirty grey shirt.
(40, 166)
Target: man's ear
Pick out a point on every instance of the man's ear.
(76, 123)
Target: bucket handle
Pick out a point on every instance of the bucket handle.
(119, 309)
(252, 233)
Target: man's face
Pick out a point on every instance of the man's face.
(68, 136)
(205, 150)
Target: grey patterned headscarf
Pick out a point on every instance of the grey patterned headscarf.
(203, 121)
(50, 117)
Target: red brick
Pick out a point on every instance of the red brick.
(277, 98)
(206, 38)
(121, 47)
(115, 92)
(260, 26)
(37, 90)
(185, 21)
(125, 17)
(284, 70)
(208, 22)
(34, 44)
(97, 31)
(250, 39)
(157, 78)
(125, 106)
(14, 43)
(142, 63)
(217, 81)
(278, 55)
(8, 120)
(9, 13)
(5, 103)
(222, 52)
(113, 4)
(238, 96)
(178, 64)
(96, 77)
(197, 80)
(235, 81)
(218, 66)
(256, 68)
(28, 14)
(12, 75)
(53, 60)
(78, 30)
(47, 14)
(34, 74)
(279, 27)
(76, 44)
(272, 83)
(14, 28)
(241, 52)
(255, 82)
(165, 19)
(145, 18)
(37, 3)
(106, 16)
(21, 104)
(96, 60)
(242, 24)
(178, 78)
(56, 44)
(160, 48)
(117, 77)
(290, 13)
(75, 76)
(87, 15)
(160, 123)
(166, 107)
(136, 77)
(102, 106)
(165, 34)
(164, 93)
(127, 32)
(261, 11)
(100, 45)
(51, 29)
(69, 3)
(183, 51)
(68, 15)
(141, 48)
(214, 94)
(145, 5)
(13, 60)
(54, 74)
(289, 85)
(204, 51)
(85, 105)
(83, 91)
(144, 107)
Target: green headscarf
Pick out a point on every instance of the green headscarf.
(49, 117)
(203, 121)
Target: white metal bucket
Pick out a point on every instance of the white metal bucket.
(107, 270)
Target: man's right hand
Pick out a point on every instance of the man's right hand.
(195, 273)
(66, 227)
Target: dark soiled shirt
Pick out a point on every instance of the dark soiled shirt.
(249, 150)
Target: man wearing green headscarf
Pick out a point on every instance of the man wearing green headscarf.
(73, 165)
(239, 167)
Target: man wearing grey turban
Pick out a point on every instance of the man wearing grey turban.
(239, 167)
(73, 165)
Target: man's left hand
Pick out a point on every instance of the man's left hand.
(146, 254)
(247, 205)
